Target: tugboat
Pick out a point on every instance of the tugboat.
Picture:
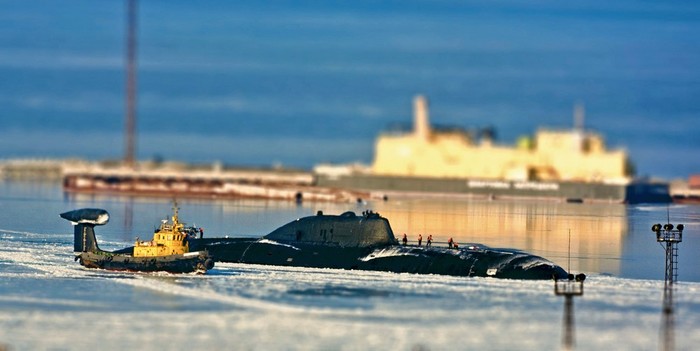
(168, 251)
(367, 242)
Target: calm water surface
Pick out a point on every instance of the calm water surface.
(50, 302)
(603, 238)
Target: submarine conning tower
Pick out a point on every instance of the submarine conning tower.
(84, 222)
(347, 230)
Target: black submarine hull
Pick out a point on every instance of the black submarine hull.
(469, 262)
(367, 243)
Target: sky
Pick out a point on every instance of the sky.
(298, 83)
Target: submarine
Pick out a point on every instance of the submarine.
(367, 242)
(168, 251)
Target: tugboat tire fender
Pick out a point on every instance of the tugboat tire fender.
(209, 263)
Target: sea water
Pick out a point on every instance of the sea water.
(303, 82)
(50, 302)
(298, 83)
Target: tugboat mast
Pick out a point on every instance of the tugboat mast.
(175, 214)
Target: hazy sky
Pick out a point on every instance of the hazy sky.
(303, 82)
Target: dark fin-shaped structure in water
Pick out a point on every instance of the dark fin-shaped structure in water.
(84, 222)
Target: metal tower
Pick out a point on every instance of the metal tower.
(669, 239)
(130, 115)
(569, 288)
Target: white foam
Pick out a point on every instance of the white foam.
(280, 307)
(387, 252)
(272, 242)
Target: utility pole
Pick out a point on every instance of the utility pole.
(130, 115)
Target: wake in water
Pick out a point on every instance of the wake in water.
(254, 307)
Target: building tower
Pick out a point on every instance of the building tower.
(421, 119)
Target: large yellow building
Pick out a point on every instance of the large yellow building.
(570, 155)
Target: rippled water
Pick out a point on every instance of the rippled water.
(48, 301)
(601, 238)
